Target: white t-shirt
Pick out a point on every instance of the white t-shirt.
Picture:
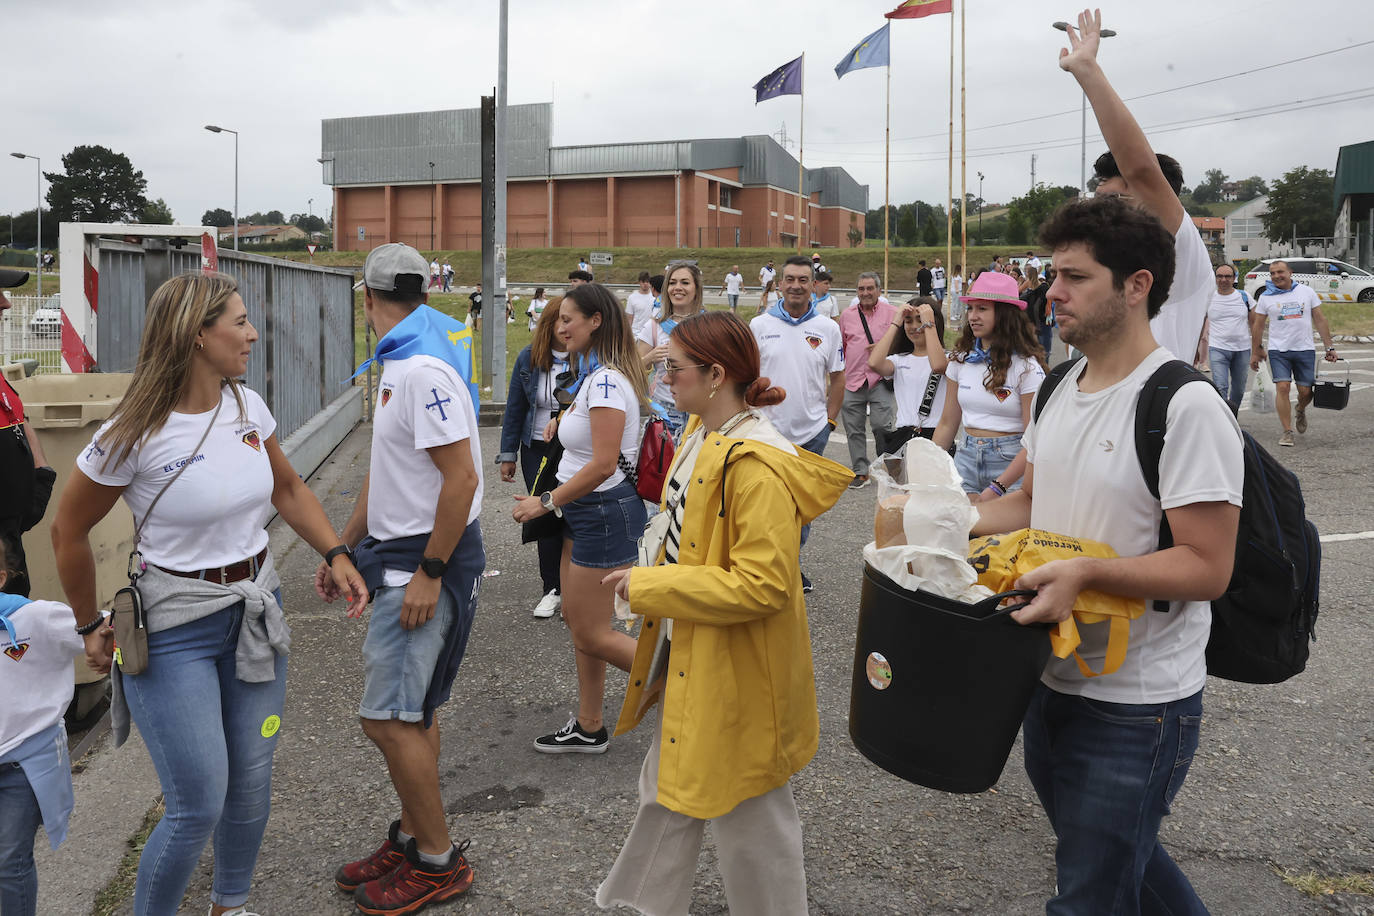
(1228, 322)
(799, 359)
(937, 278)
(828, 306)
(1290, 327)
(536, 310)
(958, 282)
(910, 376)
(546, 405)
(734, 282)
(998, 410)
(603, 388)
(1088, 484)
(1034, 260)
(641, 309)
(422, 403)
(215, 512)
(654, 335)
(1178, 326)
(765, 275)
(434, 268)
(36, 685)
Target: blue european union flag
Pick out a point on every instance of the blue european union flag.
(786, 80)
(871, 52)
(429, 332)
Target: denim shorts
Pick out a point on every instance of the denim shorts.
(1294, 366)
(605, 527)
(980, 460)
(399, 662)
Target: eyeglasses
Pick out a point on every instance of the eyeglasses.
(670, 369)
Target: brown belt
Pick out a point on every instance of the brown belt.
(234, 572)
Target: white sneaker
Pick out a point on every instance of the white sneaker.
(549, 604)
(236, 911)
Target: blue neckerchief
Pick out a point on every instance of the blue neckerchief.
(978, 354)
(587, 365)
(816, 301)
(427, 332)
(780, 312)
(1270, 288)
(668, 323)
(8, 605)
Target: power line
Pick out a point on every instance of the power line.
(1134, 98)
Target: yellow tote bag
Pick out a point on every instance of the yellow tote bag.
(1001, 559)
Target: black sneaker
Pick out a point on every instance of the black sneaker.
(807, 587)
(571, 739)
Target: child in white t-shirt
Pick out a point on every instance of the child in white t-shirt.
(39, 641)
(915, 342)
(994, 372)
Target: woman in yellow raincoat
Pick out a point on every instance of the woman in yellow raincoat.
(724, 645)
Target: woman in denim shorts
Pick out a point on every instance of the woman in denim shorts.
(994, 371)
(603, 516)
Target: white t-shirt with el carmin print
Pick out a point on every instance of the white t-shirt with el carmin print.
(214, 513)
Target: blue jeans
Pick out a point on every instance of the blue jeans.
(19, 820)
(211, 738)
(1229, 373)
(1045, 333)
(1298, 366)
(1106, 774)
(980, 461)
(400, 662)
(815, 446)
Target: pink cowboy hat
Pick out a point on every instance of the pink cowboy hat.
(992, 286)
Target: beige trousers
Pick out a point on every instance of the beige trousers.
(758, 844)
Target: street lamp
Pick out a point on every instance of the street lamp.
(980, 208)
(224, 130)
(1083, 146)
(432, 190)
(38, 249)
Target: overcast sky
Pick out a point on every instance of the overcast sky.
(144, 77)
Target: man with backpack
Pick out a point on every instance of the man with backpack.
(1226, 336)
(1107, 755)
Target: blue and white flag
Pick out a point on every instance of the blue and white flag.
(871, 52)
(786, 80)
(428, 332)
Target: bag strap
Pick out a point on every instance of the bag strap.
(1051, 382)
(138, 528)
(867, 332)
(928, 399)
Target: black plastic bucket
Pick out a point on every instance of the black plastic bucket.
(940, 687)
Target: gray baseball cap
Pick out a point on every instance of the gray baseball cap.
(396, 268)
(10, 278)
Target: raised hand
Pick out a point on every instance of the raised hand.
(1083, 41)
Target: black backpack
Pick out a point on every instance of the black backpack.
(1262, 625)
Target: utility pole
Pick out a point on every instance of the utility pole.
(1034, 156)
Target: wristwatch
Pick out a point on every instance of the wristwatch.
(546, 500)
(342, 550)
(434, 567)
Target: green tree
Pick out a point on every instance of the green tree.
(157, 213)
(99, 186)
(218, 217)
(25, 226)
(1025, 214)
(1252, 187)
(1208, 190)
(1017, 231)
(1301, 198)
(906, 225)
(308, 223)
(933, 229)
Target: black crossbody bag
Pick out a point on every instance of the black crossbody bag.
(887, 382)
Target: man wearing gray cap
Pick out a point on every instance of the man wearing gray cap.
(27, 480)
(419, 548)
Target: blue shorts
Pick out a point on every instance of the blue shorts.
(605, 527)
(399, 662)
(981, 461)
(1294, 366)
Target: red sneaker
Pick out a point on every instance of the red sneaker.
(413, 885)
(354, 875)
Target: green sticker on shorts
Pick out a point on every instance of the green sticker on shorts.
(270, 726)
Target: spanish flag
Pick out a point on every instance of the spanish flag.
(917, 9)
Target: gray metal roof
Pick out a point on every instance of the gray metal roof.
(396, 149)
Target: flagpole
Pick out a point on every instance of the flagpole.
(801, 152)
(963, 133)
(949, 203)
(887, 161)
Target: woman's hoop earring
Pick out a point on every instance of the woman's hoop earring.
(200, 346)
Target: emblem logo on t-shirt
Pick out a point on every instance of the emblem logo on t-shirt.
(438, 403)
(386, 396)
(252, 438)
(815, 341)
(1001, 394)
(16, 652)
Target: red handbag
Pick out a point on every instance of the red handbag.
(655, 458)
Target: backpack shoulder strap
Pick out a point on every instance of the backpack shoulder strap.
(1244, 298)
(1051, 382)
(1151, 419)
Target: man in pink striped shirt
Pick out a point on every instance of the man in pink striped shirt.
(867, 395)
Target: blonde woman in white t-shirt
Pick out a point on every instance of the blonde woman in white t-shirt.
(603, 516)
(995, 370)
(209, 703)
(682, 294)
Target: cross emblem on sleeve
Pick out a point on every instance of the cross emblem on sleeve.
(606, 385)
(439, 403)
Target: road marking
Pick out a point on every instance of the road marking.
(1359, 536)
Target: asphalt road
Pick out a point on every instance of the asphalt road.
(1283, 780)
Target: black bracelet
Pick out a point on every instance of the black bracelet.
(342, 549)
(87, 628)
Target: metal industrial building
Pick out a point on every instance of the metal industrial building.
(415, 178)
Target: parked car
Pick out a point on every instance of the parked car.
(47, 320)
(1333, 281)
